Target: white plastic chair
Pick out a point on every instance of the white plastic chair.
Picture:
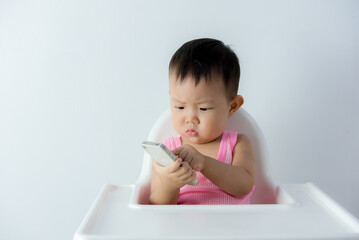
(240, 122)
(283, 211)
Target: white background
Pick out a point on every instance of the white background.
(82, 82)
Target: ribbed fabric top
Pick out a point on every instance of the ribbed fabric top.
(206, 192)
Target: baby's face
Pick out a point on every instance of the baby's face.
(199, 113)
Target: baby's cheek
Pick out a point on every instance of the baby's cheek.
(177, 126)
(216, 126)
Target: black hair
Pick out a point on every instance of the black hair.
(206, 57)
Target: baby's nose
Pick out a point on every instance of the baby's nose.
(192, 118)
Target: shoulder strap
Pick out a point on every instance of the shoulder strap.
(228, 141)
(232, 138)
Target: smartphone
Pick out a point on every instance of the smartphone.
(161, 154)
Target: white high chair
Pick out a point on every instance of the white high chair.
(286, 211)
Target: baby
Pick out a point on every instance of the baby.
(203, 84)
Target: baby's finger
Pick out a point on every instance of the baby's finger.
(183, 169)
(177, 150)
(157, 167)
(188, 176)
(175, 165)
(155, 164)
(193, 176)
(186, 173)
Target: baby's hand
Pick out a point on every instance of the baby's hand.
(189, 154)
(176, 175)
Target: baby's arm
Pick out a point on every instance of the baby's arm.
(166, 181)
(236, 179)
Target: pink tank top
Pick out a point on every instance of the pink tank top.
(206, 192)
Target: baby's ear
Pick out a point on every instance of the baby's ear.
(235, 103)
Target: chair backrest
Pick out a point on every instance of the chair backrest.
(241, 122)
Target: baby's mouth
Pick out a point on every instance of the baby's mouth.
(191, 132)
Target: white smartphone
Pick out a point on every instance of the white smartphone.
(161, 154)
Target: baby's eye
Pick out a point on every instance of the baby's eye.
(205, 109)
(179, 107)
